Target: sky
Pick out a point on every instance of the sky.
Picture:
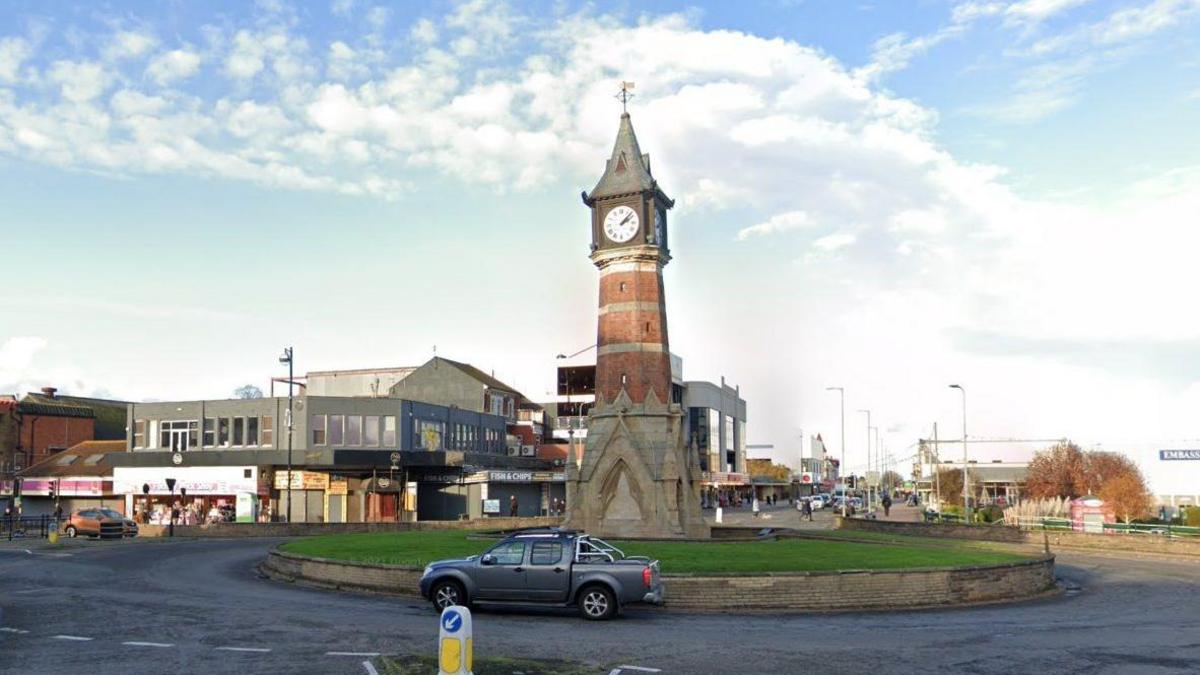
(888, 197)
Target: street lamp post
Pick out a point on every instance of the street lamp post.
(288, 359)
(868, 412)
(966, 474)
(842, 467)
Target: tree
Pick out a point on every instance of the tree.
(950, 484)
(891, 479)
(1102, 467)
(248, 391)
(1060, 471)
(1126, 495)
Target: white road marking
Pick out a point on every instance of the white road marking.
(18, 631)
(370, 668)
(351, 653)
(257, 650)
(71, 637)
(147, 644)
(30, 590)
(640, 669)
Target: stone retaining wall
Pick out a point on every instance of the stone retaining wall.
(230, 530)
(792, 592)
(1133, 543)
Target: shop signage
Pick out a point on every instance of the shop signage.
(726, 478)
(302, 480)
(526, 476)
(806, 478)
(339, 487)
(1178, 454)
(205, 480)
(67, 487)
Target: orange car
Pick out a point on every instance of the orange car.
(95, 522)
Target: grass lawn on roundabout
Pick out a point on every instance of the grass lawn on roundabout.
(418, 548)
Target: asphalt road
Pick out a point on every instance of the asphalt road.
(197, 606)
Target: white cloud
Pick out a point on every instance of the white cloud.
(1035, 11)
(129, 45)
(79, 81)
(246, 58)
(341, 7)
(780, 222)
(833, 242)
(170, 67)
(16, 354)
(13, 52)
(378, 17)
(423, 32)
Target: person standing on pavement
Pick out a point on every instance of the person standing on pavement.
(887, 505)
(512, 506)
(807, 512)
(754, 506)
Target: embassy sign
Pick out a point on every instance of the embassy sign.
(1168, 455)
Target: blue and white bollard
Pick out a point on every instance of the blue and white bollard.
(455, 648)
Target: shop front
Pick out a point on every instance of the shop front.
(725, 489)
(528, 493)
(203, 494)
(40, 495)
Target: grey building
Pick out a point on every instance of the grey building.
(353, 458)
(716, 424)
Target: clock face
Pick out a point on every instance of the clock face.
(621, 224)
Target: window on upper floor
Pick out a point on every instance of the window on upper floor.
(389, 431)
(371, 431)
(318, 430)
(336, 428)
(139, 433)
(268, 430)
(210, 432)
(353, 429)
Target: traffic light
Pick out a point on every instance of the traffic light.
(51, 490)
(17, 486)
(851, 481)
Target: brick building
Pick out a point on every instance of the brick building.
(45, 423)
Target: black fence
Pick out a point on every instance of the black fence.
(28, 527)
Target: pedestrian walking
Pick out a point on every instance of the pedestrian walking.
(754, 506)
(808, 510)
(887, 505)
(512, 506)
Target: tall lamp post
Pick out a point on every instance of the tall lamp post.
(966, 474)
(288, 359)
(868, 412)
(842, 467)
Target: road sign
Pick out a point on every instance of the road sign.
(455, 648)
(806, 478)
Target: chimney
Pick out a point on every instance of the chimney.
(49, 392)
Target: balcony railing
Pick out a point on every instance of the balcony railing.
(571, 422)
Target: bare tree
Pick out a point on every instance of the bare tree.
(247, 391)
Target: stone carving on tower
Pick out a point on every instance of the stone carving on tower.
(636, 477)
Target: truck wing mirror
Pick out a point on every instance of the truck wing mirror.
(487, 559)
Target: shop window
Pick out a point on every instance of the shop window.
(210, 432)
(336, 425)
(318, 430)
(371, 431)
(427, 434)
(165, 439)
(268, 430)
(353, 429)
(223, 432)
(139, 433)
(389, 431)
(251, 431)
(239, 431)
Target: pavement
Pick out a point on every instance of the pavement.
(198, 606)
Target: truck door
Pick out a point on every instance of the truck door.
(503, 577)
(548, 576)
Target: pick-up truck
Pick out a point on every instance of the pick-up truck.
(554, 567)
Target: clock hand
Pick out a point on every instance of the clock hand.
(625, 221)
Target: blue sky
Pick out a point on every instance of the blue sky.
(890, 195)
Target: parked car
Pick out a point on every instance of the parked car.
(554, 567)
(130, 528)
(94, 522)
(817, 502)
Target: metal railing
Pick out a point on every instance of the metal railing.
(1133, 529)
(28, 527)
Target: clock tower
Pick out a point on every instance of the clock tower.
(636, 477)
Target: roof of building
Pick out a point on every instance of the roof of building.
(89, 458)
(483, 377)
(552, 451)
(361, 371)
(109, 414)
(628, 170)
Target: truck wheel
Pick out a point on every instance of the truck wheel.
(447, 594)
(597, 603)
(71, 531)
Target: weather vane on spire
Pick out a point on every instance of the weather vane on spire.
(625, 95)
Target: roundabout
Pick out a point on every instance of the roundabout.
(203, 601)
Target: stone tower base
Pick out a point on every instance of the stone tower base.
(635, 479)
